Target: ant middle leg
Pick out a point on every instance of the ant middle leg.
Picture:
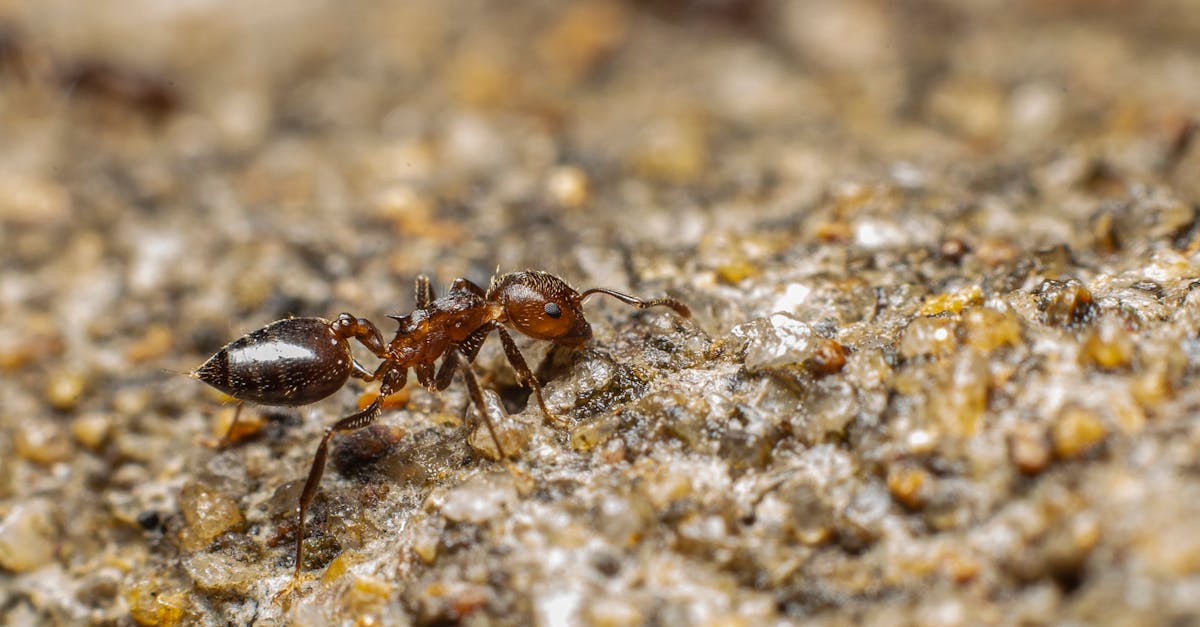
(455, 361)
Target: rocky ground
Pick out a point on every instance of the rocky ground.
(943, 259)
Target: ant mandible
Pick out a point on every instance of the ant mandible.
(298, 361)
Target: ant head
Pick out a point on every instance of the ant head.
(541, 306)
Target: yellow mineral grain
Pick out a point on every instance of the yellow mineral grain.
(91, 429)
(906, 483)
(64, 389)
(42, 442)
(1151, 388)
(567, 186)
(960, 566)
(249, 423)
(150, 606)
(988, 329)
(397, 400)
(1029, 449)
(208, 514)
(154, 343)
(339, 566)
(1077, 431)
(1109, 344)
(673, 150)
(584, 35)
(953, 302)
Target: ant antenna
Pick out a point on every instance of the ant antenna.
(674, 304)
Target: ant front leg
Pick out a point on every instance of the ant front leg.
(393, 381)
(525, 376)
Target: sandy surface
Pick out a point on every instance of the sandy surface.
(944, 259)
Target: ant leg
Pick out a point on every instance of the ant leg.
(464, 285)
(476, 397)
(470, 346)
(445, 374)
(393, 381)
(424, 292)
(358, 371)
(517, 360)
(673, 303)
(228, 437)
(425, 376)
(362, 330)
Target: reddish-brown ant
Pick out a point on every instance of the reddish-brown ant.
(303, 360)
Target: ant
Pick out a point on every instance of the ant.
(299, 361)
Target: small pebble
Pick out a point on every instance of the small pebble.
(149, 605)
(64, 389)
(354, 451)
(479, 500)
(43, 442)
(987, 329)
(1076, 432)
(249, 424)
(425, 543)
(777, 341)
(33, 201)
(613, 612)
(587, 435)
(1109, 345)
(155, 342)
(567, 186)
(208, 514)
(829, 357)
(583, 35)
(1029, 449)
(906, 483)
(366, 597)
(674, 150)
(1064, 303)
(27, 536)
(513, 434)
(928, 337)
(953, 302)
(91, 429)
(218, 572)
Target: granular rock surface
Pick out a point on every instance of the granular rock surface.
(943, 260)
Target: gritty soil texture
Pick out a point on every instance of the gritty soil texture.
(943, 260)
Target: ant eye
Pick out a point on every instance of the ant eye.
(553, 310)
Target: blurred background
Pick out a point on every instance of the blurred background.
(175, 173)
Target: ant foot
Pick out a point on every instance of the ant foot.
(285, 596)
(558, 422)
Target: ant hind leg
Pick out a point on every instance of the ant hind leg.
(392, 382)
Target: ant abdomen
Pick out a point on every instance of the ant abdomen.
(293, 362)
